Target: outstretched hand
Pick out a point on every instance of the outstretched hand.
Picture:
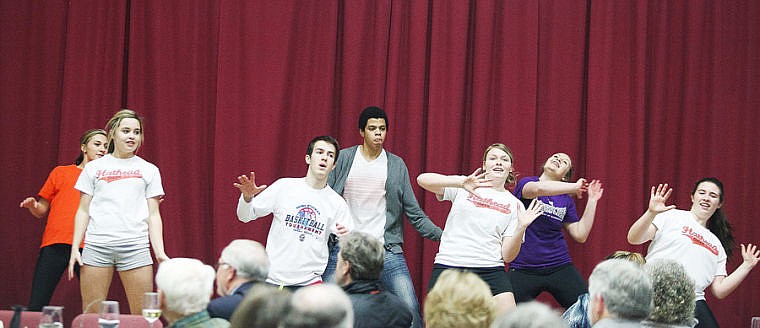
(476, 180)
(248, 187)
(534, 210)
(658, 197)
(595, 190)
(750, 254)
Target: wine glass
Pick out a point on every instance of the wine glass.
(109, 314)
(52, 317)
(151, 307)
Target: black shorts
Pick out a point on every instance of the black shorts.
(495, 277)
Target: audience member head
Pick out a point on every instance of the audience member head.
(361, 257)
(530, 315)
(241, 261)
(626, 255)
(185, 285)
(319, 306)
(619, 289)
(674, 298)
(459, 299)
(263, 307)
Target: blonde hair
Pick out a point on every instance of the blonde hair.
(626, 255)
(504, 148)
(114, 123)
(459, 299)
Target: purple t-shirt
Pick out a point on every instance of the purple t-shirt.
(545, 245)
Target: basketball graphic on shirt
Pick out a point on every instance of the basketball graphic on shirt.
(307, 213)
(305, 222)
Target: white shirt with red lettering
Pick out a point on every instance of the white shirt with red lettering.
(475, 227)
(119, 188)
(681, 238)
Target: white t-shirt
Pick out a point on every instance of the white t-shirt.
(365, 194)
(119, 207)
(681, 238)
(475, 227)
(304, 217)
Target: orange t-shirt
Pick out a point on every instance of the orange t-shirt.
(64, 201)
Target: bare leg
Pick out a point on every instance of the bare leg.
(504, 302)
(136, 283)
(94, 283)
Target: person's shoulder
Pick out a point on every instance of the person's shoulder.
(64, 169)
(333, 195)
(144, 161)
(674, 214)
(530, 178)
(350, 148)
(347, 152)
(392, 156)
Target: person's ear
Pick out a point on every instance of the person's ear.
(307, 159)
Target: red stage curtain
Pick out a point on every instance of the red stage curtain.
(636, 92)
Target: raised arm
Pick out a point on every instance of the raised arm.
(643, 230)
(436, 183)
(510, 246)
(81, 220)
(580, 230)
(535, 189)
(156, 230)
(723, 286)
(38, 208)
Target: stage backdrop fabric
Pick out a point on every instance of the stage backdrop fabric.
(636, 92)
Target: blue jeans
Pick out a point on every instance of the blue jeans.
(395, 278)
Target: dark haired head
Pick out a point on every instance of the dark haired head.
(371, 112)
(84, 139)
(718, 223)
(327, 139)
(569, 174)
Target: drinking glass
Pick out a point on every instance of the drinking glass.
(109, 314)
(52, 317)
(151, 307)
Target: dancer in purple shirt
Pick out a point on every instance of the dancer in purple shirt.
(544, 262)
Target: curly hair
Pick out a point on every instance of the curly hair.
(459, 299)
(673, 297)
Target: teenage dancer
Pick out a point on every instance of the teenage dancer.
(700, 239)
(59, 200)
(486, 223)
(119, 217)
